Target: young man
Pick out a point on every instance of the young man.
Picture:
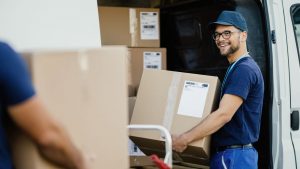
(235, 124)
(19, 101)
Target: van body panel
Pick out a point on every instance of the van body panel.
(293, 36)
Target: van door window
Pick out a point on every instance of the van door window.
(296, 24)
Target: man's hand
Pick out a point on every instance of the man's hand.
(179, 142)
(52, 140)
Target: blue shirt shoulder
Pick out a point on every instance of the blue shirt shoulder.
(15, 81)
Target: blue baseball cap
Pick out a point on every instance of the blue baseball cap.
(230, 18)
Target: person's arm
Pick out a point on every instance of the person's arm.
(229, 104)
(53, 142)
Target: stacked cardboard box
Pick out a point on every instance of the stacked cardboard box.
(133, 27)
(177, 101)
(91, 104)
(139, 30)
(140, 59)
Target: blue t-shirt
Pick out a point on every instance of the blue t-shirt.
(15, 87)
(244, 80)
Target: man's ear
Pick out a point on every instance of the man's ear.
(244, 36)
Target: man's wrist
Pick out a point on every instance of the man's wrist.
(188, 138)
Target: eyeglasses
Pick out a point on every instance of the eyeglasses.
(225, 34)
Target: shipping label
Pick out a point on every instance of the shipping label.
(149, 26)
(193, 99)
(152, 60)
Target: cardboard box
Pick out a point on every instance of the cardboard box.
(140, 161)
(144, 58)
(133, 27)
(90, 103)
(177, 101)
(131, 103)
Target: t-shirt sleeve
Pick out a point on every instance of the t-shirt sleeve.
(239, 82)
(16, 85)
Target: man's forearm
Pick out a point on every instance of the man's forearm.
(208, 126)
(68, 160)
(213, 122)
(51, 138)
(55, 145)
(217, 119)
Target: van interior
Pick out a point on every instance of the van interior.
(190, 47)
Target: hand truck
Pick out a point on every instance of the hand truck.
(167, 163)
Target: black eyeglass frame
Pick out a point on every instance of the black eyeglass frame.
(225, 34)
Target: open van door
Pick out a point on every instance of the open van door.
(285, 82)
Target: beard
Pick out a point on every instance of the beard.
(228, 51)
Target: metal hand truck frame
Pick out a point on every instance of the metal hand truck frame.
(166, 135)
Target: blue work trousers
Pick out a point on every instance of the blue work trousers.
(236, 158)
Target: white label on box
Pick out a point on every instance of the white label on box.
(134, 150)
(149, 25)
(152, 60)
(193, 98)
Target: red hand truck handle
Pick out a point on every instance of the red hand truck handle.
(159, 163)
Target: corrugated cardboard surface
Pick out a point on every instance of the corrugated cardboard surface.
(140, 161)
(136, 64)
(91, 104)
(153, 100)
(131, 103)
(119, 27)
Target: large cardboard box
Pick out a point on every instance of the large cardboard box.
(134, 27)
(144, 58)
(177, 101)
(90, 103)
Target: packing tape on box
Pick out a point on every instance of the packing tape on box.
(171, 102)
(133, 26)
(83, 60)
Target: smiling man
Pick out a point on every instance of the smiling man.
(235, 124)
